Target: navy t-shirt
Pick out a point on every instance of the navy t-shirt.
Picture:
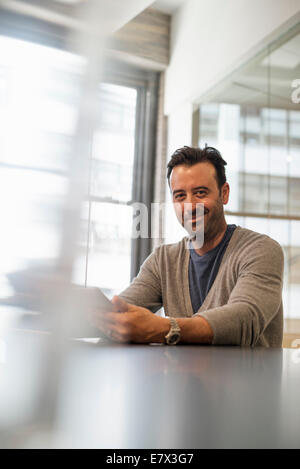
(203, 269)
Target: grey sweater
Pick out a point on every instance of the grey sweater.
(244, 304)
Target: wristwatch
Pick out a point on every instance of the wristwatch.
(173, 336)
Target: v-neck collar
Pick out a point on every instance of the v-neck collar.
(186, 283)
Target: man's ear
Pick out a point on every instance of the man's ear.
(225, 193)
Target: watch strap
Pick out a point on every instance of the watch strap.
(173, 336)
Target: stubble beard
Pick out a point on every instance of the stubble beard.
(214, 223)
(211, 224)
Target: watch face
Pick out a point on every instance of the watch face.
(174, 338)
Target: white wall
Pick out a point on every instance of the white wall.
(179, 128)
(210, 38)
(179, 134)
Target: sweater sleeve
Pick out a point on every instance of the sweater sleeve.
(255, 299)
(145, 289)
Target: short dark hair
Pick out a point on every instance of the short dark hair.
(189, 156)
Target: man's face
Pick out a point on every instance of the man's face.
(197, 184)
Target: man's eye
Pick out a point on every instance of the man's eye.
(179, 196)
(202, 193)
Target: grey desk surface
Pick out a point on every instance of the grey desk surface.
(155, 396)
(188, 397)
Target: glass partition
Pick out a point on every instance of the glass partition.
(253, 118)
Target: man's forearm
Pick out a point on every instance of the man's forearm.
(194, 330)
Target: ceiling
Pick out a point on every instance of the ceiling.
(167, 6)
(109, 15)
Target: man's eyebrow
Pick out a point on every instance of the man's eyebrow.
(178, 190)
(193, 189)
(200, 187)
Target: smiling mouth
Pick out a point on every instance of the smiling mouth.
(194, 219)
(199, 222)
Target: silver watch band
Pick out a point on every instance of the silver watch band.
(173, 336)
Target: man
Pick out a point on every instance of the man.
(227, 291)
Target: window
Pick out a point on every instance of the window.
(40, 92)
(39, 96)
(107, 219)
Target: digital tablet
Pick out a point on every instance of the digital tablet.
(33, 288)
(89, 299)
(85, 301)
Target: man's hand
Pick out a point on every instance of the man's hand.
(130, 323)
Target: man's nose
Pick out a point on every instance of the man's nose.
(190, 202)
(189, 198)
(192, 207)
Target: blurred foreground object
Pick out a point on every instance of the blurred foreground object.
(51, 57)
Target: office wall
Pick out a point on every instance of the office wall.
(211, 38)
(179, 132)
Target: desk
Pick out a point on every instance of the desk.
(155, 396)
